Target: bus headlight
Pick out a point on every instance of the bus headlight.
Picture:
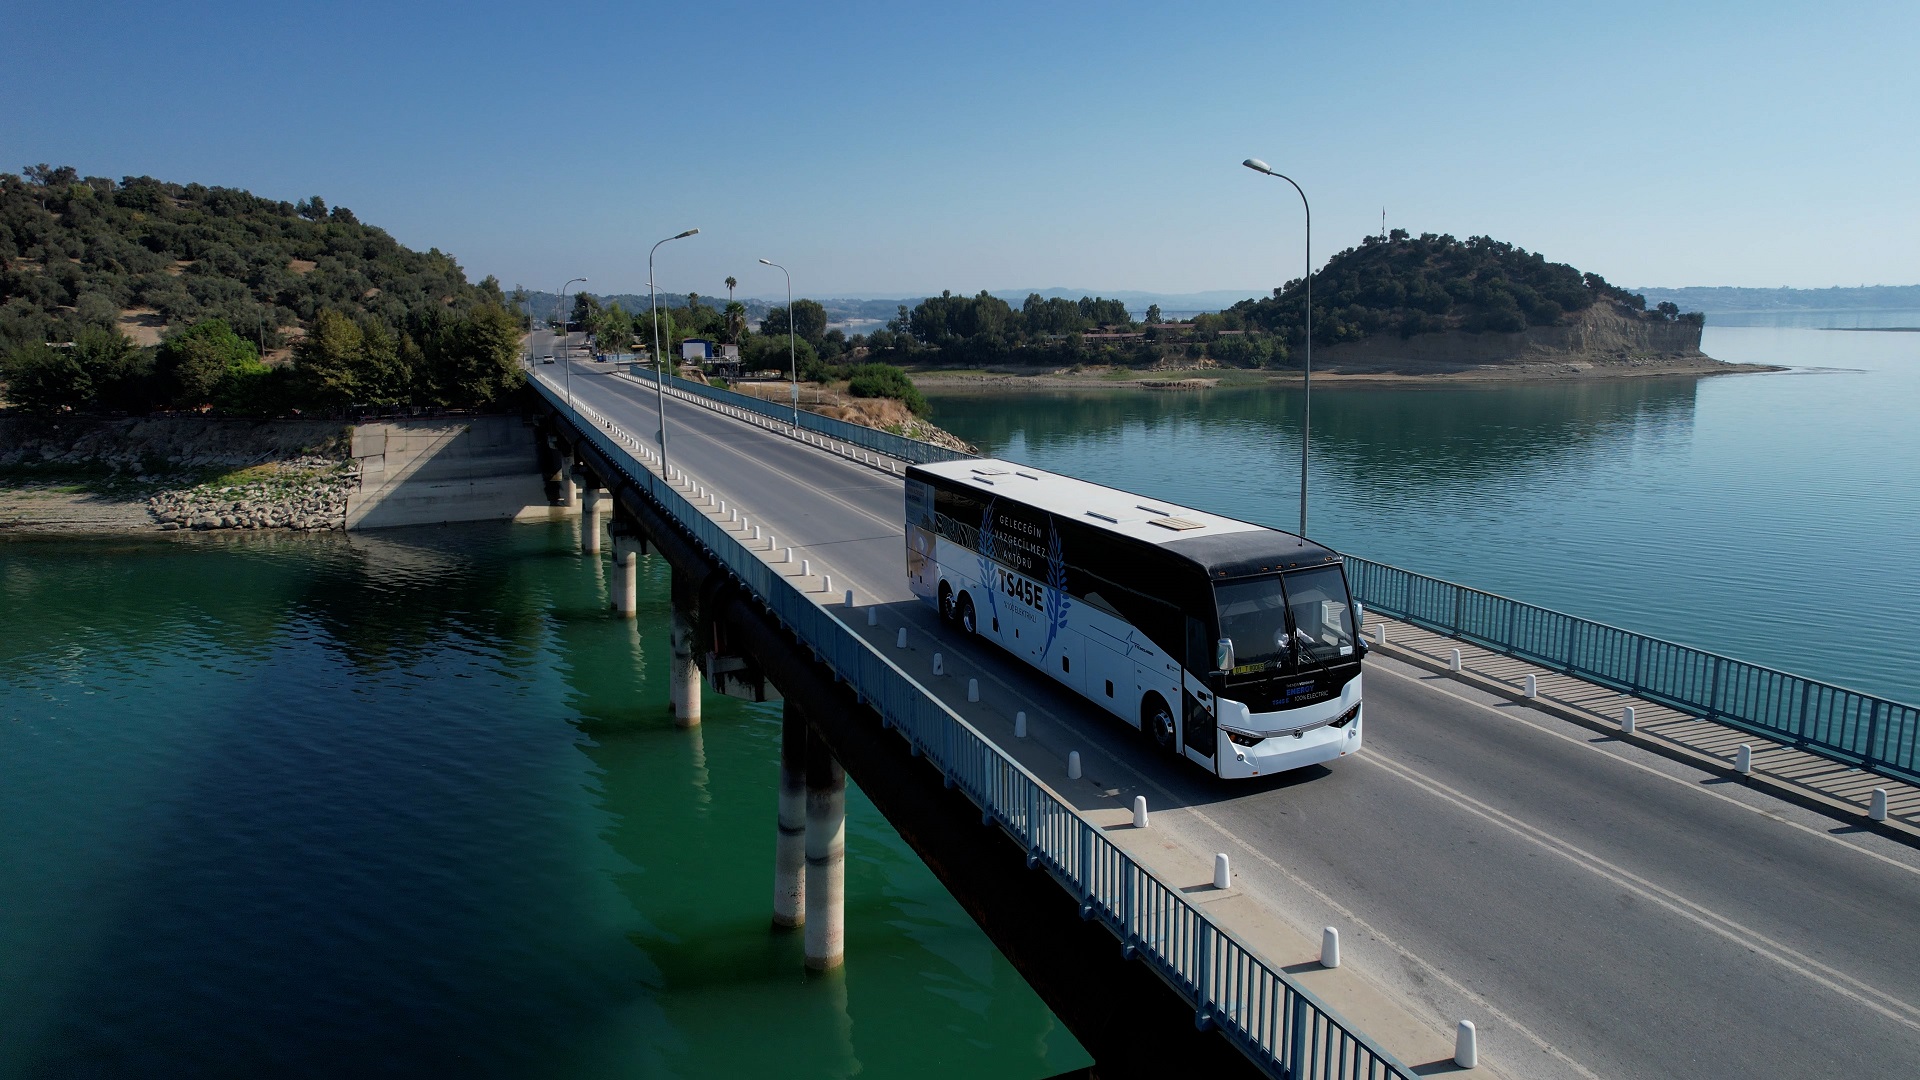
(1244, 740)
(1346, 717)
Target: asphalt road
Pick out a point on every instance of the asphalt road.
(1598, 911)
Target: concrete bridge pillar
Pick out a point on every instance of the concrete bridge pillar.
(790, 845)
(590, 518)
(683, 674)
(826, 883)
(570, 487)
(627, 550)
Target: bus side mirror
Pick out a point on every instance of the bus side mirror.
(1223, 654)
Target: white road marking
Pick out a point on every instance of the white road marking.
(1525, 716)
(1832, 978)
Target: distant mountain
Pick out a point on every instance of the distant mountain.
(1720, 298)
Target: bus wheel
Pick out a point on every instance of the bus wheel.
(946, 601)
(1156, 721)
(967, 620)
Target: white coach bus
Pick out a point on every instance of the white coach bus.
(1230, 644)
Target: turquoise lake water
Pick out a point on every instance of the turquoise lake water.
(411, 805)
(1773, 517)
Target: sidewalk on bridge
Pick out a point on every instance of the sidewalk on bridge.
(1818, 783)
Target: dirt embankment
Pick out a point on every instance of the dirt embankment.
(881, 414)
(74, 474)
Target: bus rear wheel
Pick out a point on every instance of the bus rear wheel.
(946, 601)
(967, 620)
(1156, 723)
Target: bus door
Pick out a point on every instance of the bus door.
(1199, 732)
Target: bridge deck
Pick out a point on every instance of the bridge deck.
(1597, 910)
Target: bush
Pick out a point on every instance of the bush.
(886, 381)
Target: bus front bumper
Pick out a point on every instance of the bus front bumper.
(1289, 750)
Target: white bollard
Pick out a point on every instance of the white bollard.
(1743, 759)
(939, 664)
(1466, 1050)
(873, 616)
(723, 506)
(1379, 633)
(1330, 948)
(789, 556)
(1626, 720)
(826, 582)
(806, 567)
(1073, 765)
(973, 689)
(1453, 662)
(771, 542)
(901, 641)
(1222, 872)
(1533, 686)
(1877, 811)
(1139, 811)
(1020, 724)
(849, 598)
(756, 532)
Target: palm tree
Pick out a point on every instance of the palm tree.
(736, 321)
(731, 282)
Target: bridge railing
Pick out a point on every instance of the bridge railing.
(1283, 1028)
(1876, 733)
(883, 442)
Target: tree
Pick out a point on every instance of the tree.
(731, 282)
(585, 310)
(809, 321)
(481, 362)
(43, 379)
(120, 372)
(1153, 314)
(196, 365)
(314, 209)
(613, 330)
(736, 321)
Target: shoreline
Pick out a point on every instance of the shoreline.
(1182, 379)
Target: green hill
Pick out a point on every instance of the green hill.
(206, 282)
(1406, 285)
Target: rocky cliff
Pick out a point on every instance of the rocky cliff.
(1602, 337)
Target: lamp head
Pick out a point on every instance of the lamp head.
(1257, 165)
(764, 262)
(688, 233)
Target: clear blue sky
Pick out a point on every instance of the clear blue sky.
(882, 149)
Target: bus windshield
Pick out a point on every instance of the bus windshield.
(1286, 620)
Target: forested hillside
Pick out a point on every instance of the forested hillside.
(139, 294)
(1406, 285)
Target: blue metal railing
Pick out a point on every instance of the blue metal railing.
(883, 442)
(1284, 1029)
(1875, 733)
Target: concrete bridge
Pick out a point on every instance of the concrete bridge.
(1595, 905)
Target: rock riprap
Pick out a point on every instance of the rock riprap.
(307, 494)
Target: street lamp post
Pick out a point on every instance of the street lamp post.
(659, 358)
(566, 361)
(793, 365)
(1306, 404)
